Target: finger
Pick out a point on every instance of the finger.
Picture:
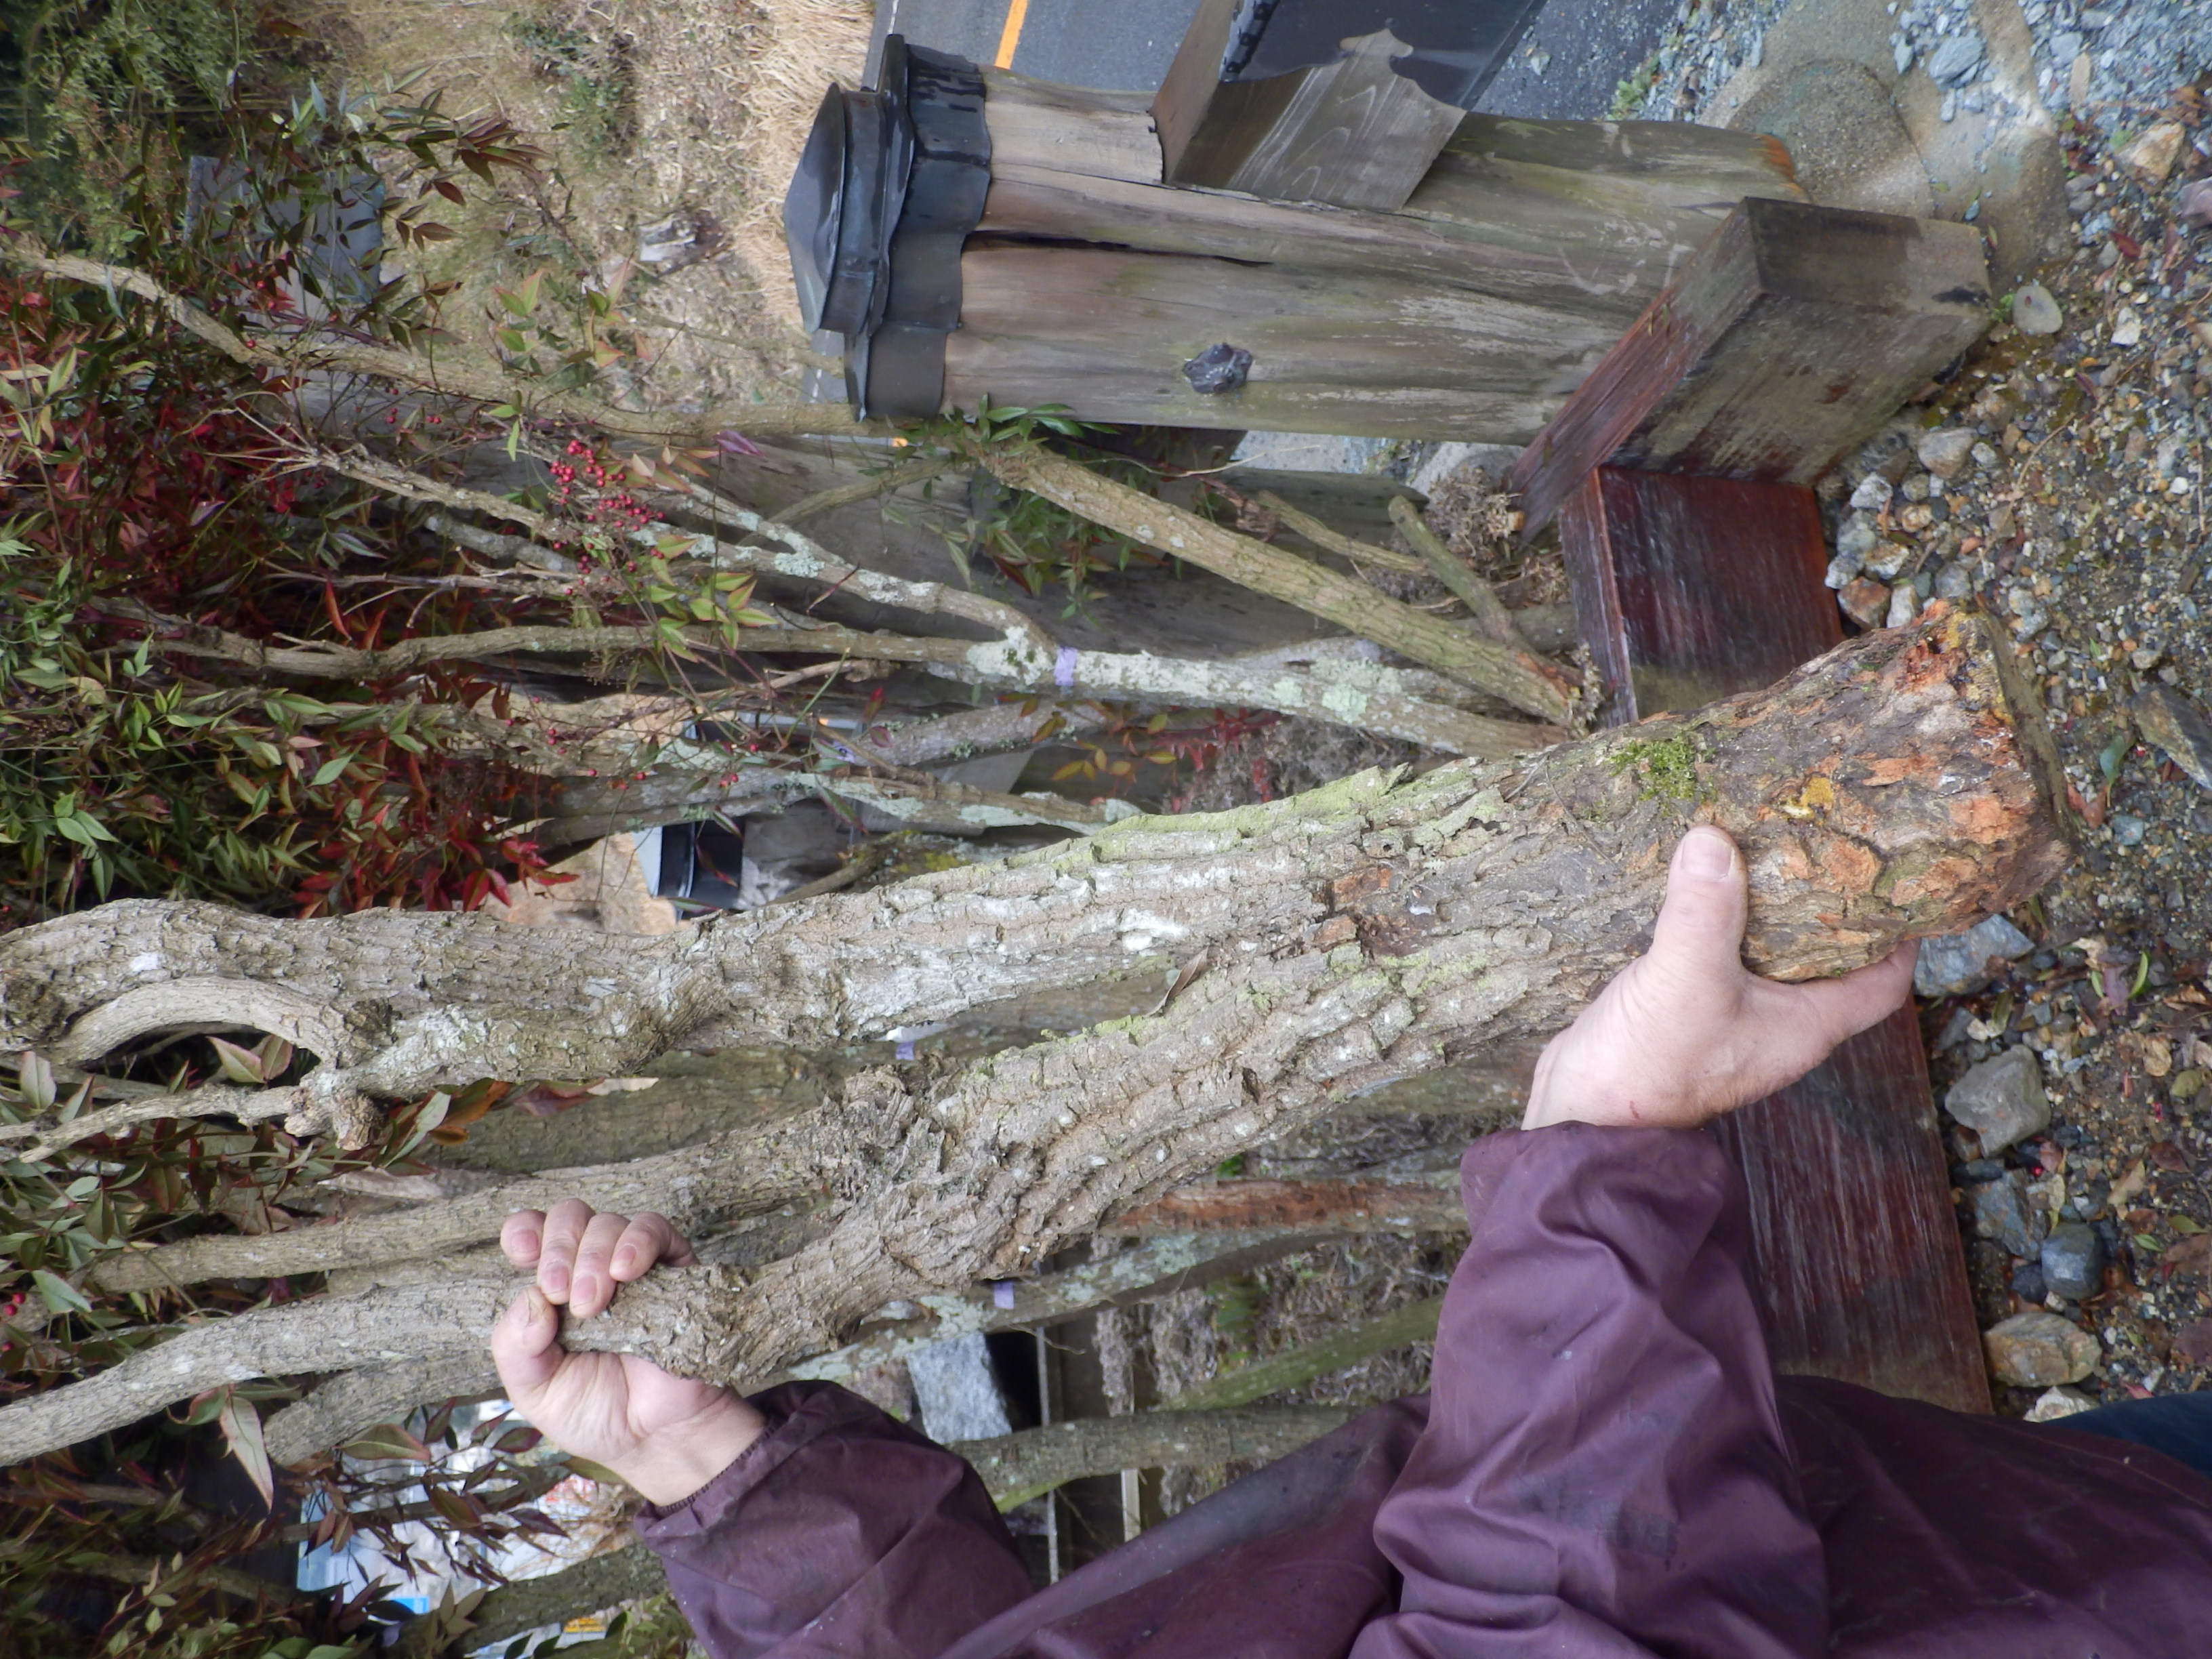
(520, 1235)
(557, 1258)
(1844, 1007)
(525, 1345)
(591, 1285)
(1698, 936)
(650, 1237)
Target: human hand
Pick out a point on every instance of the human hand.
(1686, 1032)
(666, 1435)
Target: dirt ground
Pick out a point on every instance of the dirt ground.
(673, 130)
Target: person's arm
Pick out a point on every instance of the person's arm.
(1604, 1472)
(801, 1522)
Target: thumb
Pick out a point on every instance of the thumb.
(1699, 936)
(526, 1344)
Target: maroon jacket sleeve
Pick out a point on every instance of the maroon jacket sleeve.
(839, 1531)
(1604, 1471)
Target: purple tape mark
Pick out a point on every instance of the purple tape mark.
(1002, 1293)
(1063, 671)
(904, 1051)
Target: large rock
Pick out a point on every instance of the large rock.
(2040, 1350)
(1848, 141)
(2001, 1100)
(1958, 964)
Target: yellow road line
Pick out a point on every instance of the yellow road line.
(1018, 13)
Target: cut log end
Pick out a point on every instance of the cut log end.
(1902, 787)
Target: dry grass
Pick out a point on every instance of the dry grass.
(697, 107)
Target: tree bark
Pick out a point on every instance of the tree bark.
(1331, 942)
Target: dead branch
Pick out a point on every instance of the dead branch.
(296, 353)
(1516, 678)
(1489, 612)
(1019, 1467)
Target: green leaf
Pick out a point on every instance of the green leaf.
(238, 1065)
(35, 1078)
(58, 1293)
(598, 1472)
(388, 1441)
(240, 1421)
(331, 770)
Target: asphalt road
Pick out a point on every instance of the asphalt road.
(1584, 46)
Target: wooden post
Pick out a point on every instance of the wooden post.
(1794, 332)
(1469, 313)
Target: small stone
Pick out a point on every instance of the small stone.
(1946, 451)
(2053, 1404)
(1985, 456)
(1858, 538)
(2004, 1215)
(1841, 569)
(2002, 1101)
(1958, 964)
(1901, 55)
(2194, 205)
(2151, 157)
(1954, 62)
(1864, 601)
(2034, 312)
(1953, 582)
(2039, 1350)
(1873, 494)
(1886, 559)
(1904, 606)
(2147, 657)
(2127, 328)
(2027, 1284)
(2073, 1260)
(2172, 722)
(2127, 829)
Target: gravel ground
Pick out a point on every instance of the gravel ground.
(2077, 511)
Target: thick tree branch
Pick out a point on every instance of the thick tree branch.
(1024, 657)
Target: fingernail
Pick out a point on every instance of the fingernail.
(624, 1259)
(587, 1286)
(556, 1281)
(1705, 855)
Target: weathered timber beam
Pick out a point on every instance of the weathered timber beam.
(1353, 133)
(1791, 336)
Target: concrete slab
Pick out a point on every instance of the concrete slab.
(1827, 68)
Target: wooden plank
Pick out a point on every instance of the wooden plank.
(1854, 1247)
(1107, 332)
(1073, 129)
(1598, 243)
(1783, 342)
(1673, 614)
(1354, 133)
(1692, 588)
